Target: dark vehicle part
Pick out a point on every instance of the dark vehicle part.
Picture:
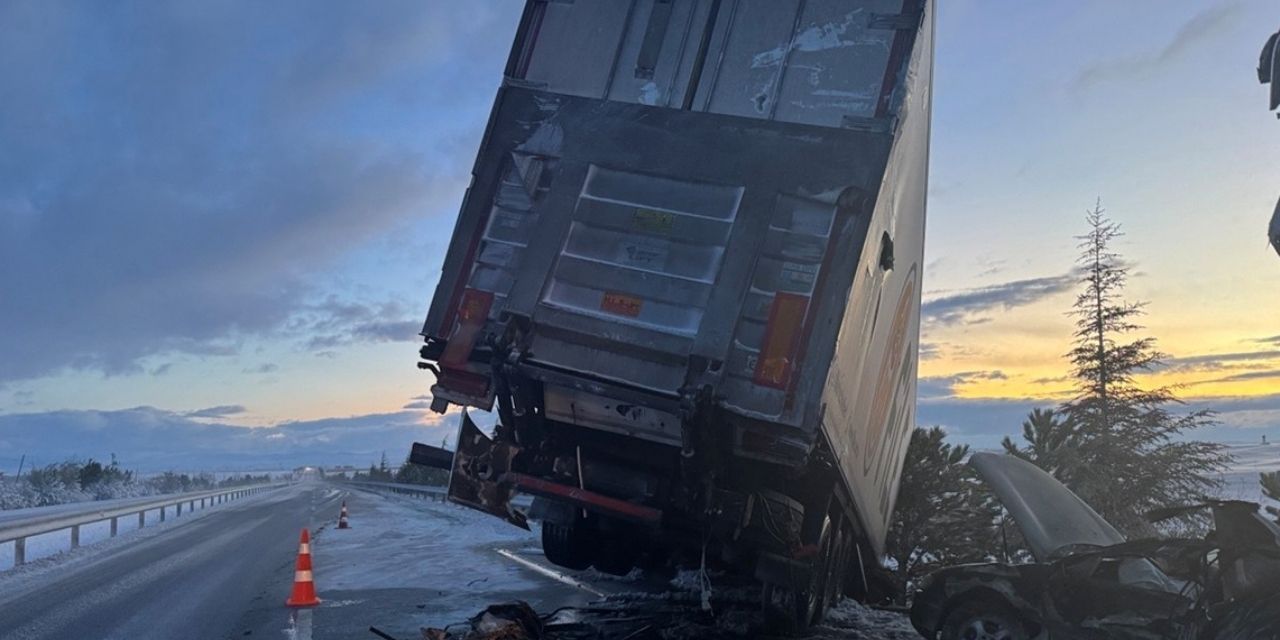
(429, 456)
(1273, 231)
(1224, 586)
(567, 544)
(687, 276)
(1269, 69)
(1269, 72)
(983, 619)
(478, 465)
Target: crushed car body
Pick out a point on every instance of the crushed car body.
(1087, 581)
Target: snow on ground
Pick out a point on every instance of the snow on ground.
(398, 540)
(409, 562)
(1241, 481)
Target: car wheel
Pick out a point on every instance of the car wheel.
(983, 620)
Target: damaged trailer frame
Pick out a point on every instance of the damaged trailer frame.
(687, 274)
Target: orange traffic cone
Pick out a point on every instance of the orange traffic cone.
(342, 517)
(304, 588)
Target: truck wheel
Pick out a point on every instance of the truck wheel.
(815, 600)
(983, 619)
(835, 573)
(566, 545)
(793, 608)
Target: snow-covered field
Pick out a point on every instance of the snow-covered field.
(1241, 482)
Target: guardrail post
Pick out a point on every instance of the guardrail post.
(179, 513)
(75, 536)
(115, 526)
(142, 519)
(161, 514)
(19, 551)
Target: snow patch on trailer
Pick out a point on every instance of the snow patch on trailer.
(820, 38)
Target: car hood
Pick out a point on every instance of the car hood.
(1050, 516)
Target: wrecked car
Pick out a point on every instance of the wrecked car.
(1088, 581)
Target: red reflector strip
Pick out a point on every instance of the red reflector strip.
(588, 499)
(621, 304)
(781, 337)
(472, 313)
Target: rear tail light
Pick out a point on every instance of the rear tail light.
(473, 310)
(781, 340)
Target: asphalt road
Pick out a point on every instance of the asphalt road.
(190, 580)
(404, 564)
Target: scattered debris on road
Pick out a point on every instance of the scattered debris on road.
(669, 616)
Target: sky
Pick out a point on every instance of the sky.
(222, 216)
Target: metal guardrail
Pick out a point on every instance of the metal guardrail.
(18, 531)
(424, 490)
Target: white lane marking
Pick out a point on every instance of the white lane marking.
(299, 625)
(554, 575)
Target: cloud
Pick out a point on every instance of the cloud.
(1198, 31)
(1052, 380)
(151, 439)
(220, 411)
(267, 367)
(1271, 340)
(1219, 361)
(969, 305)
(173, 180)
(1243, 377)
(1235, 414)
(935, 387)
(417, 405)
(336, 323)
(930, 350)
(980, 422)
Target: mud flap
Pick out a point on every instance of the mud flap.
(477, 465)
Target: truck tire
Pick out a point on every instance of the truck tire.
(833, 582)
(566, 545)
(792, 608)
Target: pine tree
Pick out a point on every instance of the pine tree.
(1049, 443)
(1118, 446)
(943, 514)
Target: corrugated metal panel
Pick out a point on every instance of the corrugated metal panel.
(805, 61)
(644, 250)
(512, 222)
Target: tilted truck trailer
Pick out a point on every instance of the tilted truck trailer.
(687, 273)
